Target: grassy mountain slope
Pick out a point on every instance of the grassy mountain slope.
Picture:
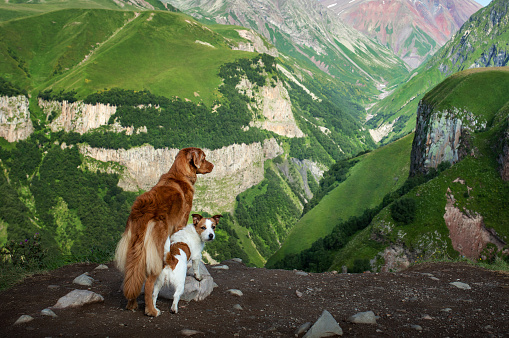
(376, 174)
(475, 184)
(90, 50)
(481, 42)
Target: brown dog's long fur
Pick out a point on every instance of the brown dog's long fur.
(155, 215)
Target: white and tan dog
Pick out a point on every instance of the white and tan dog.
(184, 245)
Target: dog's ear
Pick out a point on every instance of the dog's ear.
(216, 218)
(197, 157)
(196, 218)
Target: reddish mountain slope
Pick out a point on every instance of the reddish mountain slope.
(413, 29)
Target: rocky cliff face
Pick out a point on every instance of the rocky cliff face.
(441, 136)
(237, 168)
(77, 116)
(467, 231)
(274, 103)
(15, 123)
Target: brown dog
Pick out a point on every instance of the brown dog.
(155, 215)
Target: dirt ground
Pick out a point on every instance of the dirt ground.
(416, 302)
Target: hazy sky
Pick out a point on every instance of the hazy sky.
(483, 2)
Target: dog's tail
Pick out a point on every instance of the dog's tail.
(138, 257)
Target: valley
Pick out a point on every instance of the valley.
(338, 143)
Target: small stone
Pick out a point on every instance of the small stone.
(367, 317)
(416, 327)
(189, 332)
(302, 329)
(461, 285)
(427, 317)
(325, 326)
(238, 260)
(48, 312)
(301, 273)
(434, 278)
(447, 309)
(238, 307)
(102, 267)
(235, 292)
(84, 280)
(24, 319)
(298, 293)
(78, 298)
(221, 267)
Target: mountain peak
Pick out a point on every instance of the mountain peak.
(413, 29)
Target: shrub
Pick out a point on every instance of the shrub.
(403, 210)
(27, 253)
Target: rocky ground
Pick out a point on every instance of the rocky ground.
(274, 303)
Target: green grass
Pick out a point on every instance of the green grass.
(462, 91)
(157, 51)
(377, 173)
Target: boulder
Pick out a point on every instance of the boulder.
(194, 289)
(78, 298)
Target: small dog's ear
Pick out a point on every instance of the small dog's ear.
(197, 157)
(196, 218)
(216, 218)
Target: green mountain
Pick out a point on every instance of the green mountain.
(95, 101)
(481, 42)
(306, 31)
(453, 203)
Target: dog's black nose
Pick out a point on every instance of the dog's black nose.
(211, 236)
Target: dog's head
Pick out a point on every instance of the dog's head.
(206, 226)
(193, 161)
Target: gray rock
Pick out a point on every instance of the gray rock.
(325, 326)
(235, 292)
(238, 260)
(367, 317)
(416, 327)
(301, 273)
(434, 278)
(193, 289)
(101, 267)
(447, 309)
(298, 293)
(302, 329)
(221, 267)
(461, 285)
(78, 298)
(238, 307)
(48, 312)
(24, 319)
(84, 280)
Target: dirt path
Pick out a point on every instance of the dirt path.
(418, 301)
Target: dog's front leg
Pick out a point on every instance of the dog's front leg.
(196, 269)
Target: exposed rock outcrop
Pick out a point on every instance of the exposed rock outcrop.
(468, 234)
(275, 105)
(441, 136)
(15, 123)
(256, 44)
(237, 168)
(78, 116)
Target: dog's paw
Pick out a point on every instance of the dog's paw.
(198, 277)
(174, 309)
(132, 305)
(154, 313)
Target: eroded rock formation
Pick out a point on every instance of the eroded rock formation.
(237, 168)
(15, 123)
